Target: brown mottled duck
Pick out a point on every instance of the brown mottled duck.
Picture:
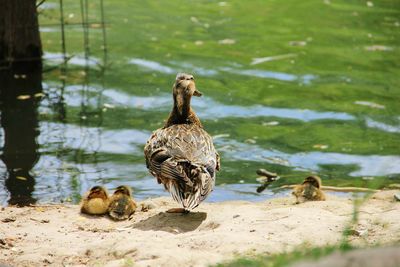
(95, 201)
(181, 155)
(122, 205)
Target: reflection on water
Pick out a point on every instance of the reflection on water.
(76, 59)
(306, 79)
(368, 165)
(205, 107)
(19, 97)
(152, 65)
(181, 66)
(91, 139)
(383, 126)
(208, 108)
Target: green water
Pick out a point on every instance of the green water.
(324, 99)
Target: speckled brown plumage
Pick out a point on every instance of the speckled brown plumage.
(122, 205)
(181, 155)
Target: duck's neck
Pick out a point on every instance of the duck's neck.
(182, 113)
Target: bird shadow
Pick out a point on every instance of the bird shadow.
(175, 223)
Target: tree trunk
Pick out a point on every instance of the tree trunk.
(20, 93)
(19, 33)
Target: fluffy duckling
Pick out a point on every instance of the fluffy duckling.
(96, 201)
(122, 205)
(181, 155)
(310, 189)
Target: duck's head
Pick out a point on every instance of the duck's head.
(98, 192)
(123, 189)
(185, 86)
(313, 180)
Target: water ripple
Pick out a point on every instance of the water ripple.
(281, 76)
(185, 66)
(152, 65)
(91, 139)
(382, 126)
(207, 108)
(368, 165)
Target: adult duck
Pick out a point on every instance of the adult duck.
(181, 155)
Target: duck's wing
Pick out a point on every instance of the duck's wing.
(184, 159)
(180, 143)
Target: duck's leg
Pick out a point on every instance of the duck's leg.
(178, 210)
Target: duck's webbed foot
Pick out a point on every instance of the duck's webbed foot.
(178, 210)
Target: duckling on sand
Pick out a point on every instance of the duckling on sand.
(95, 201)
(310, 189)
(122, 205)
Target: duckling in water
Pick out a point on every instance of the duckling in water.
(310, 189)
(181, 155)
(96, 201)
(122, 205)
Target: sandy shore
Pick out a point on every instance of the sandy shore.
(215, 232)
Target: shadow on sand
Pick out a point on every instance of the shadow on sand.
(175, 223)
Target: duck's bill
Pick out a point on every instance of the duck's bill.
(197, 93)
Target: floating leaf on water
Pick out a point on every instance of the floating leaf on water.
(38, 95)
(368, 178)
(369, 104)
(21, 178)
(220, 136)
(227, 41)
(320, 146)
(277, 160)
(106, 105)
(198, 43)
(194, 20)
(258, 60)
(23, 97)
(298, 43)
(95, 25)
(378, 48)
(270, 123)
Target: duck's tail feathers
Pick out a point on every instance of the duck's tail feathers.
(190, 196)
